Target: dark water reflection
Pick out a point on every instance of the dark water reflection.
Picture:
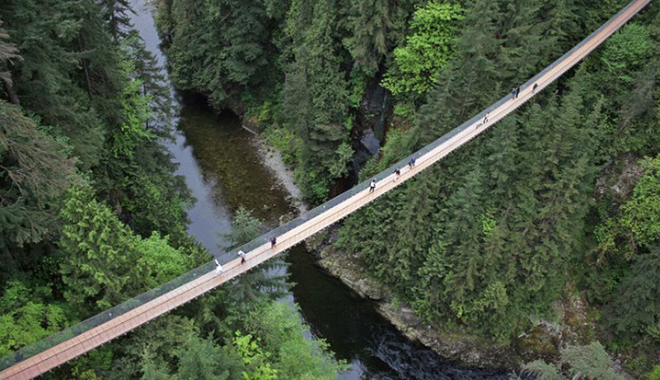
(223, 171)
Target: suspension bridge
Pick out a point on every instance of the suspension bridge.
(56, 350)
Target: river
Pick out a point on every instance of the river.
(223, 171)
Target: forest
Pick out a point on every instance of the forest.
(91, 213)
(559, 200)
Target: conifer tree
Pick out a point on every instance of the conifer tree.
(35, 172)
(8, 52)
(370, 23)
(117, 18)
(201, 359)
(99, 264)
(263, 283)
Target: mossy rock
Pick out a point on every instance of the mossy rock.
(537, 344)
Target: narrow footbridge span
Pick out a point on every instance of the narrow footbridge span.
(49, 353)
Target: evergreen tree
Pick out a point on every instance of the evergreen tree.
(264, 283)
(104, 263)
(116, 15)
(369, 41)
(35, 172)
(201, 359)
(316, 72)
(527, 44)
(635, 305)
(7, 54)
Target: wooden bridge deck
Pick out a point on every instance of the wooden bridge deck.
(326, 215)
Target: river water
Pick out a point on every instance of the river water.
(223, 171)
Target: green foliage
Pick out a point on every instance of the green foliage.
(26, 316)
(135, 112)
(202, 359)
(233, 49)
(255, 287)
(280, 334)
(638, 221)
(590, 361)
(655, 374)
(254, 358)
(427, 51)
(99, 254)
(635, 305)
(316, 97)
(586, 362)
(286, 142)
(542, 370)
(33, 175)
(641, 214)
(627, 51)
(245, 228)
(7, 55)
(69, 73)
(158, 261)
(339, 166)
(104, 263)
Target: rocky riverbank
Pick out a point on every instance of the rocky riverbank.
(543, 341)
(274, 162)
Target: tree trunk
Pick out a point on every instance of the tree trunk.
(13, 96)
(81, 43)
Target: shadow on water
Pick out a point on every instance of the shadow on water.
(359, 335)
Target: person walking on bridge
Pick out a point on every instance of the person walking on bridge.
(412, 162)
(273, 241)
(242, 255)
(218, 267)
(372, 185)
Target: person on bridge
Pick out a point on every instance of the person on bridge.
(536, 85)
(273, 241)
(486, 118)
(412, 162)
(372, 185)
(242, 255)
(397, 171)
(218, 267)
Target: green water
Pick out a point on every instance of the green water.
(228, 161)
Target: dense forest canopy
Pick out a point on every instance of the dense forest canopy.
(490, 238)
(562, 196)
(91, 213)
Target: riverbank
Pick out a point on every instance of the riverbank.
(573, 324)
(454, 347)
(273, 161)
(457, 348)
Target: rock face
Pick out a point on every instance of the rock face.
(369, 142)
(455, 347)
(543, 341)
(462, 349)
